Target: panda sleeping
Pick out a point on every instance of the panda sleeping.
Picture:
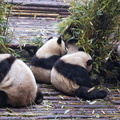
(70, 75)
(17, 83)
(42, 62)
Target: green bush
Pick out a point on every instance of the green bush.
(92, 23)
(4, 35)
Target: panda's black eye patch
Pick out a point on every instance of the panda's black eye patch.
(46, 63)
(75, 73)
(5, 66)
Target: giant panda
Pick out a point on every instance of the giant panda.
(113, 61)
(70, 74)
(71, 46)
(17, 83)
(42, 62)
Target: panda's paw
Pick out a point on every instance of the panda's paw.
(39, 97)
(100, 94)
(90, 94)
(3, 99)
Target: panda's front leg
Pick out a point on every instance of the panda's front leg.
(3, 99)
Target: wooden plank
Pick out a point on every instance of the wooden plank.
(57, 116)
(35, 14)
(46, 8)
(38, 3)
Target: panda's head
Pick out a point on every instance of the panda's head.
(86, 59)
(54, 46)
(79, 58)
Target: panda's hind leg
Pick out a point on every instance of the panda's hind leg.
(87, 94)
(39, 96)
(3, 99)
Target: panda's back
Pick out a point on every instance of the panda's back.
(19, 84)
(62, 83)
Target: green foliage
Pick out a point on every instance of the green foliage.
(92, 24)
(4, 35)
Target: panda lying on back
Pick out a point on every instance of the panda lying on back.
(17, 83)
(42, 62)
(70, 75)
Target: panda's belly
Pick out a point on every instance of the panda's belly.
(41, 74)
(62, 84)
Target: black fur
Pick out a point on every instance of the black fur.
(81, 49)
(89, 62)
(82, 92)
(70, 30)
(112, 61)
(75, 73)
(5, 66)
(46, 63)
(71, 41)
(59, 40)
(50, 38)
(3, 99)
(39, 97)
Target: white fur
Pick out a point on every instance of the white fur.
(72, 47)
(19, 84)
(49, 49)
(78, 58)
(4, 56)
(63, 84)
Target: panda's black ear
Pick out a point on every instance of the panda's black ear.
(80, 49)
(89, 62)
(59, 40)
(50, 38)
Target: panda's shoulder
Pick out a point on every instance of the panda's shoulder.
(45, 63)
(5, 66)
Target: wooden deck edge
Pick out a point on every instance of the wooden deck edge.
(39, 4)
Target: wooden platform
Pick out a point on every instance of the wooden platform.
(57, 105)
(39, 8)
(25, 28)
